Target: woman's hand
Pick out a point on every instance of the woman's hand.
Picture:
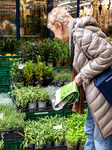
(78, 80)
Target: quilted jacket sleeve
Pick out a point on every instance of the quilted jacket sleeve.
(98, 49)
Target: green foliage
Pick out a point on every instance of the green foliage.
(30, 94)
(46, 49)
(8, 45)
(50, 51)
(40, 132)
(32, 72)
(1, 142)
(41, 71)
(43, 95)
(75, 134)
(62, 52)
(51, 90)
(28, 71)
(12, 118)
(47, 72)
(62, 76)
(2, 45)
(16, 73)
(28, 51)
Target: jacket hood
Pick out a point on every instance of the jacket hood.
(86, 22)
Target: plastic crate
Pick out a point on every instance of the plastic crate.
(36, 115)
(66, 68)
(5, 88)
(67, 113)
(7, 61)
(11, 135)
(12, 145)
(5, 78)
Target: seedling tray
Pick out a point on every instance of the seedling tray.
(11, 135)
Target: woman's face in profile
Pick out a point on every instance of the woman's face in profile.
(60, 33)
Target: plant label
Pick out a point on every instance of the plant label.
(57, 127)
(1, 115)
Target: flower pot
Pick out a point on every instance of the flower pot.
(30, 145)
(57, 144)
(50, 63)
(72, 148)
(81, 148)
(47, 82)
(49, 144)
(67, 63)
(59, 64)
(41, 105)
(32, 106)
(38, 147)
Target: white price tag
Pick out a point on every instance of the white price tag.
(1, 115)
(57, 127)
(21, 66)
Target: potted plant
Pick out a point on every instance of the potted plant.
(11, 122)
(43, 98)
(62, 53)
(47, 74)
(34, 134)
(28, 136)
(38, 73)
(32, 95)
(59, 130)
(63, 77)
(20, 96)
(72, 140)
(51, 90)
(27, 96)
(75, 135)
(28, 72)
(28, 50)
(67, 57)
(17, 74)
(46, 50)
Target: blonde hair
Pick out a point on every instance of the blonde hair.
(58, 14)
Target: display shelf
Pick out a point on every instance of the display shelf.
(66, 68)
(11, 135)
(12, 145)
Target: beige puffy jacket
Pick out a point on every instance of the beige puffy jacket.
(87, 37)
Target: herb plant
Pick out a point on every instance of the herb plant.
(16, 73)
(1, 142)
(12, 118)
(28, 71)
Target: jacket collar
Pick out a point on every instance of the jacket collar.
(72, 24)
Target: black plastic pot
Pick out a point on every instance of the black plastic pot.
(81, 148)
(72, 147)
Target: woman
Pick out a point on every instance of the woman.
(89, 41)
